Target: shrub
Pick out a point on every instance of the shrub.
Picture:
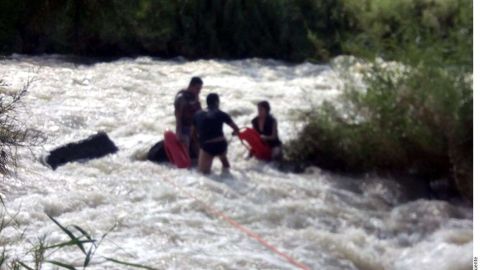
(13, 133)
(417, 120)
(413, 115)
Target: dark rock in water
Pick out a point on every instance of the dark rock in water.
(95, 146)
(157, 153)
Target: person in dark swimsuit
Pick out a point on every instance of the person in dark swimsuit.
(209, 128)
(266, 125)
(186, 105)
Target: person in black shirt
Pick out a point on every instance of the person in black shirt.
(209, 128)
(266, 125)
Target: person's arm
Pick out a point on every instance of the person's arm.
(194, 132)
(235, 128)
(179, 105)
(232, 124)
(254, 126)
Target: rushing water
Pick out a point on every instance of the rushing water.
(324, 221)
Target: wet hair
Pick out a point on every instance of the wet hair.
(213, 100)
(264, 104)
(195, 81)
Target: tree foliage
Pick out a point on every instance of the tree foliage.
(293, 30)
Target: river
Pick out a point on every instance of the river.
(323, 220)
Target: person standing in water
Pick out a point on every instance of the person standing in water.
(186, 105)
(209, 127)
(266, 125)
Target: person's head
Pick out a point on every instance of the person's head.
(195, 85)
(213, 101)
(263, 108)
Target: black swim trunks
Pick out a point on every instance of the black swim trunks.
(215, 148)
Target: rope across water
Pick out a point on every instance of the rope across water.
(240, 227)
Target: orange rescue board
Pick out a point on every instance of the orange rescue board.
(176, 152)
(258, 147)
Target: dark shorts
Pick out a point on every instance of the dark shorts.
(215, 148)
(274, 143)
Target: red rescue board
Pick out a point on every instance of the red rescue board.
(258, 147)
(176, 152)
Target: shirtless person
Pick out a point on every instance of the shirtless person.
(186, 105)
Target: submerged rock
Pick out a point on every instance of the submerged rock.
(95, 146)
(157, 153)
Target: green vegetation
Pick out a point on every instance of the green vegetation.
(43, 253)
(13, 133)
(412, 116)
(293, 30)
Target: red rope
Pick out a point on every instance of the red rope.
(243, 229)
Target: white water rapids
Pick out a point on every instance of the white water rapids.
(322, 220)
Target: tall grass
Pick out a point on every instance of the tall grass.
(46, 254)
